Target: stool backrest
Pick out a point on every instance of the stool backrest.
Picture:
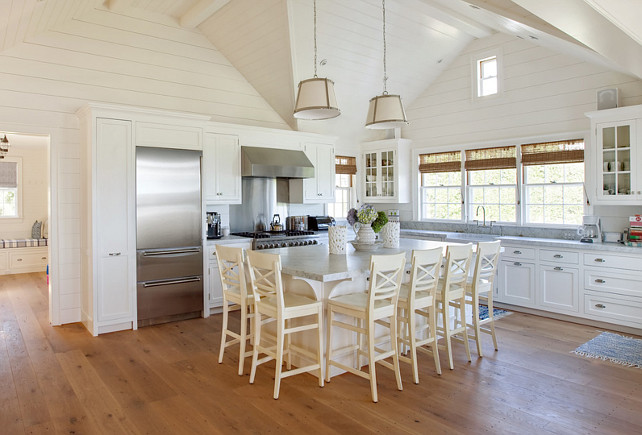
(458, 260)
(386, 273)
(424, 275)
(231, 268)
(486, 263)
(265, 276)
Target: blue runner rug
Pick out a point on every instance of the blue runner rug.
(497, 313)
(615, 348)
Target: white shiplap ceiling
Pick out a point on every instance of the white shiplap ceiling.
(270, 41)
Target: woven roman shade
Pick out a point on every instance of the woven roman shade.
(8, 174)
(345, 165)
(491, 158)
(548, 153)
(440, 162)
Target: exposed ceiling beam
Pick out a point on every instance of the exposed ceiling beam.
(622, 14)
(200, 12)
(118, 5)
(439, 10)
(581, 21)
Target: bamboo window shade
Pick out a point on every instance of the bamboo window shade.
(548, 153)
(440, 162)
(491, 158)
(345, 165)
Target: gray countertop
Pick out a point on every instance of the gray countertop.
(228, 239)
(532, 241)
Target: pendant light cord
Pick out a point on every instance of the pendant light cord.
(315, 38)
(385, 74)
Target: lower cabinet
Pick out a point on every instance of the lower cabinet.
(559, 288)
(23, 260)
(516, 283)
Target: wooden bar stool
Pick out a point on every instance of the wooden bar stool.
(271, 301)
(451, 293)
(235, 293)
(373, 307)
(418, 299)
(479, 288)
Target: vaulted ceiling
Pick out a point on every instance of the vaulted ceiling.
(270, 42)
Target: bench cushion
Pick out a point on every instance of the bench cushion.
(22, 243)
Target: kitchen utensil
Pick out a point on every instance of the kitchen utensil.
(276, 224)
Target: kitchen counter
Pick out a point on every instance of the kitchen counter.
(227, 239)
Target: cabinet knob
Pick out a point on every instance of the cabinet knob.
(601, 306)
(600, 260)
(558, 268)
(114, 254)
(600, 281)
(19, 259)
(517, 252)
(558, 256)
(43, 258)
(517, 263)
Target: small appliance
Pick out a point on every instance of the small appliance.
(214, 230)
(320, 223)
(591, 230)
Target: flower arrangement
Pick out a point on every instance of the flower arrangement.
(367, 215)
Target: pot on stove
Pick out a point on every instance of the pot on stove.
(276, 224)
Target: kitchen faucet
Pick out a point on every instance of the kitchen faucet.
(477, 214)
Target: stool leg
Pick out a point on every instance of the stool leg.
(243, 338)
(395, 349)
(462, 309)
(328, 347)
(257, 344)
(477, 327)
(412, 337)
(279, 356)
(433, 332)
(223, 330)
(320, 347)
(371, 362)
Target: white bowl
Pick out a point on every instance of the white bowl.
(366, 247)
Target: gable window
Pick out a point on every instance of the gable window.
(9, 194)
(345, 169)
(487, 76)
(553, 182)
(440, 186)
(492, 183)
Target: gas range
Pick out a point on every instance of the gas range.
(280, 239)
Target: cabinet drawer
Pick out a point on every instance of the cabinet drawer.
(611, 282)
(27, 259)
(621, 310)
(566, 257)
(519, 253)
(613, 261)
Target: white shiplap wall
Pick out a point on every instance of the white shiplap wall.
(71, 52)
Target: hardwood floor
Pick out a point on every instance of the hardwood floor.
(166, 379)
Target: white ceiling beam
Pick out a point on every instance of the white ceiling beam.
(441, 11)
(200, 12)
(588, 26)
(119, 5)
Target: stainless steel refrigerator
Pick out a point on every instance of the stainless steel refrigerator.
(169, 260)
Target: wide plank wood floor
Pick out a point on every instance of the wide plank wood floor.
(165, 379)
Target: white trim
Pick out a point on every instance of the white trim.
(19, 215)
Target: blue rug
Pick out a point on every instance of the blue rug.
(615, 348)
(497, 313)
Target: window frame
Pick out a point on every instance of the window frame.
(475, 64)
(351, 196)
(18, 161)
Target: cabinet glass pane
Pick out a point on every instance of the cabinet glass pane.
(608, 138)
(623, 136)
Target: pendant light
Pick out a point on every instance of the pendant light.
(4, 146)
(315, 99)
(385, 110)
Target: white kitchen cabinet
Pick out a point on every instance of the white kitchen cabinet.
(320, 188)
(617, 138)
(385, 174)
(221, 169)
(559, 288)
(516, 283)
(109, 238)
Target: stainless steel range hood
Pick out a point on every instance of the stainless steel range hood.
(275, 163)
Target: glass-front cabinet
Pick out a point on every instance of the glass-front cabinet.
(615, 134)
(385, 177)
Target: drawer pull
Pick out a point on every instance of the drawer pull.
(517, 252)
(601, 306)
(114, 254)
(600, 281)
(43, 258)
(558, 256)
(558, 268)
(517, 264)
(600, 260)
(19, 259)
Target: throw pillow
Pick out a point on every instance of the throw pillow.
(36, 231)
(45, 229)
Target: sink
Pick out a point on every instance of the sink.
(470, 237)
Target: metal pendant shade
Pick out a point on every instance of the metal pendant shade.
(315, 99)
(385, 111)
(4, 146)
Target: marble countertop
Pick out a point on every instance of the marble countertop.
(532, 241)
(316, 262)
(228, 239)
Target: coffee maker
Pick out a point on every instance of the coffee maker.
(214, 230)
(591, 230)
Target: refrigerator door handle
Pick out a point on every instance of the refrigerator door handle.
(170, 252)
(171, 281)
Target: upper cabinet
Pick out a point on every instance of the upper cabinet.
(615, 134)
(321, 187)
(221, 169)
(385, 174)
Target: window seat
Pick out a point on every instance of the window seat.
(23, 256)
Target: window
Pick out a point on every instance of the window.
(345, 168)
(440, 181)
(9, 175)
(554, 182)
(492, 183)
(487, 83)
